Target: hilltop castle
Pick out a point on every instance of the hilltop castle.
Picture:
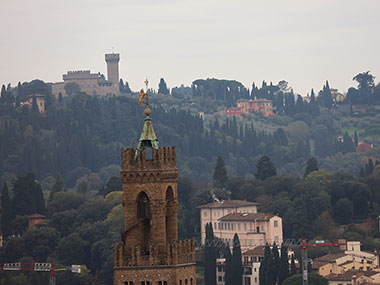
(92, 83)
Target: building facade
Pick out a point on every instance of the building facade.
(150, 252)
(92, 83)
(241, 217)
(245, 106)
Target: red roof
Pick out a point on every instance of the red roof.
(36, 216)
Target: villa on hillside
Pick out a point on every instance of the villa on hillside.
(245, 106)
(241, 217)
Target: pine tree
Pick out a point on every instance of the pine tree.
(276, 264)
(210, 256)
(162, 88)
(236, 266)
(312, 165)
(220, 174)
(293, 268)
(284, 265)
(265, 168)
(6, 212)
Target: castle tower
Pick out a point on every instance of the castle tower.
(112, 60)
(150, 252)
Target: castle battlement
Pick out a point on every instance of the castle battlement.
(163, 158)
(112, 57)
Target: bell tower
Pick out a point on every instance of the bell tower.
(150, 252)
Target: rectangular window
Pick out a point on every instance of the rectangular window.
(245, 259)
(238, 227)
(220, 279)
(262, 228)
(228, 226)
(250, 242)
(255, 279)
(204, 213)
(247, 280)
(275, 224)
(250, 226)
(214, 226)
(276, 239)
(245, 226)
(232, 226)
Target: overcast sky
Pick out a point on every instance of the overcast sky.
(303, 42)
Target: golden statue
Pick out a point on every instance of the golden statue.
(143, 99)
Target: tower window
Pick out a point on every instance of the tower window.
(149, 153)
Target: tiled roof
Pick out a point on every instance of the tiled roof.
(36, 216)
(228, 204)
(349, 275)
(318, 264)
(246, 217)
(330, 257)
(257, 251)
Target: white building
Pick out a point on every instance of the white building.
(241, 217)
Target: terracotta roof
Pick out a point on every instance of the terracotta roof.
(36, 216)
(318, 264)
(246, 217)
(349, 275)
(257, 251)
(330, 257)
(228, 204)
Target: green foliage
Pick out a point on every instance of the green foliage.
(236, 262)
(27, 196)
(265, 168)
(220, 173)
(313, 278)
(311, 166)
(284, 265)
(162, 88)
(210, 257)
(6, 212)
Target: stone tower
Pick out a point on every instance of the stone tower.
(150, 252)
(112, 60)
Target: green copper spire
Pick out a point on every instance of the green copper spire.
(148, 137)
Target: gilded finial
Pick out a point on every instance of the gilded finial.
(144, 99)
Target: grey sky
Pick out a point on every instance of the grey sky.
(304, 42)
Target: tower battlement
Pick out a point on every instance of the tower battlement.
(161, 159)
(112, 57)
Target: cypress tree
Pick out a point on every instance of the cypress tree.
(6, 212)
(293, 268)
(276, 264)
(57, 187)
(266, 267)
(236, 266)
(220, 173)
(210, 257)
(356, 139)
(127, 90)
(284, 265)
(370, 167)
(121, 86)
(228, 267)
(162, 88)
(312, 165)
(60, 99)
(34, 104)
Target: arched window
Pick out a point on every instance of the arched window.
(171, 219)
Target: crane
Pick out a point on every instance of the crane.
(304, 246)
(39, 267)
